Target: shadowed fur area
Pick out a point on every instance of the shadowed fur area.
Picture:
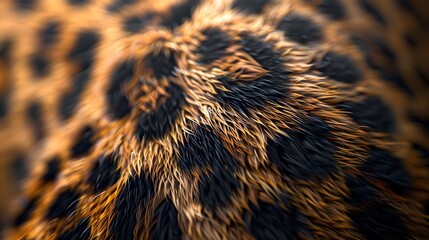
(214, 119)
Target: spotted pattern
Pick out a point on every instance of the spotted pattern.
(389, 170)
(376, 46)
(52, 169)
(83, 143)
(40, 65)
(333, 9)
(34, 112)
(214, 46)
(26, 213)
(83, 55)
(205, 152)
(167, 225)
(63, 205)
(372, 112)
(252, 6)
(118, 103)
(25, 4)
(135, 195)
(243, 95)
(104, 173)
(306, 153)
(373, 11)
(5, 60)
(258, 119)
(271, 222)
(49, 34)
(180, 13)
(339, 67)
(380, 221)
(119, 4)
(134, 24)
(157, 123)
(80, 231)
(300, 29)
(78, 2)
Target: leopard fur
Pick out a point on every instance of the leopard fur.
(214, 119)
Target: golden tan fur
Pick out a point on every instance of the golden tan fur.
(244, 135)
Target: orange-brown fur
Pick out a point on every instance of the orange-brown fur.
(245, 136)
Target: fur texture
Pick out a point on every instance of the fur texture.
(208, 119)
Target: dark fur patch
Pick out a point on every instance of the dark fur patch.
(395, 79)
(83, 49)
(410, 39)
(204, 152)
(23, 5)
(214, 46)
(48, 37)
(49, 34)
(426, 208)
(268, 221)
(244, 95)
(34, 115)
(361, 192)
(81, 231)
(215, 189)
(83, 54)
(161, 65)
(379, 221)
(383, 166)
(39, 64)
(250, 6)
(381, 48)
(333, 9)
(26, 213)
(52, 168)
(263, 53)
(424, 153)
(339, 68)
(84, 142)
(180, 13)
(68, 103)
(159, 122)
(300, 29)
(136, 23)
(373, 11)
(5, 50)
(104, 174)
(423, 75)
(414, 12)
(78, 2)
(420, 121)
(64, 205)
(118, 104)
(373, 112)
(19, 168)
(305, 153)
(166, 222)
(364, 47)
(70, 100)
(4, 104)
(384, 48)
(132, 198)
(117, 5)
